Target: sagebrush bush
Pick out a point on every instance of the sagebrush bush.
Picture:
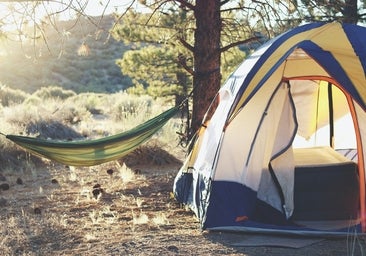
(9, 96)
(33, 100)
(19, 115)
(71, 113)
(51, 129)
(34, 114)
(126, 106)
(53, 92)
(92, 102)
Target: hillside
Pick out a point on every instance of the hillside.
(54, 60)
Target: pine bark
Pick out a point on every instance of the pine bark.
(350, 12)
(207, 78)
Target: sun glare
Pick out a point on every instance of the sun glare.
(14, 15)
(25, 20)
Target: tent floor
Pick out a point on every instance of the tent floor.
(329, 224)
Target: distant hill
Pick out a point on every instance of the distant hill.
(54, 60)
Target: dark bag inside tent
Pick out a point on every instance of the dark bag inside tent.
(327, 191)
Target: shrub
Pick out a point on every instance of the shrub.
(32, 100)
(53, 92)
(52, 130)
(92, 102)
(71, 114)
(128, 106)
(9, 96)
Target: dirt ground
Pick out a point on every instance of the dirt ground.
(113, 209)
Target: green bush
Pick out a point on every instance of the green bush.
(126, 106)
(92, 102)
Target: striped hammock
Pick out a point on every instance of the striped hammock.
(94, 152)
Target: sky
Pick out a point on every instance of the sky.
(15, 16)
(91, 7)
(96, 8)
(12, 13)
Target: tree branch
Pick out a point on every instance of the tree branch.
(227, 47)
(186, 44)
(119, 18)
(185, 3)
(224, 2)
(181, 60)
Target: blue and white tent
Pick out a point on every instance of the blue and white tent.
(272, 157)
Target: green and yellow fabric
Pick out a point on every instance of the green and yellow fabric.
(94, 152)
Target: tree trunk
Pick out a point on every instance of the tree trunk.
(207, 78)
(350, 12)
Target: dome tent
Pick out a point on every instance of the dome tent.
(247, 169)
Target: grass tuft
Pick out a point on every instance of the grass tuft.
(140, 219)
(160, 219)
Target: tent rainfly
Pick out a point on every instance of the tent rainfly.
(285, 150)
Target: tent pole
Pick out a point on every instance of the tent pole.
(360, 163)
(331, 115)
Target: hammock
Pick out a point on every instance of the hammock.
(94, 152)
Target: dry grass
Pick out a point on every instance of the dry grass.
(119, 208)
(57, 212)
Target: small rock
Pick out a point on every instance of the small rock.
(37, 210)
(97, 190)
(97, 186)
(110, 171)
(4, 186)
(129, 244)
(3, 202)
(2, 177)
(173, 248)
